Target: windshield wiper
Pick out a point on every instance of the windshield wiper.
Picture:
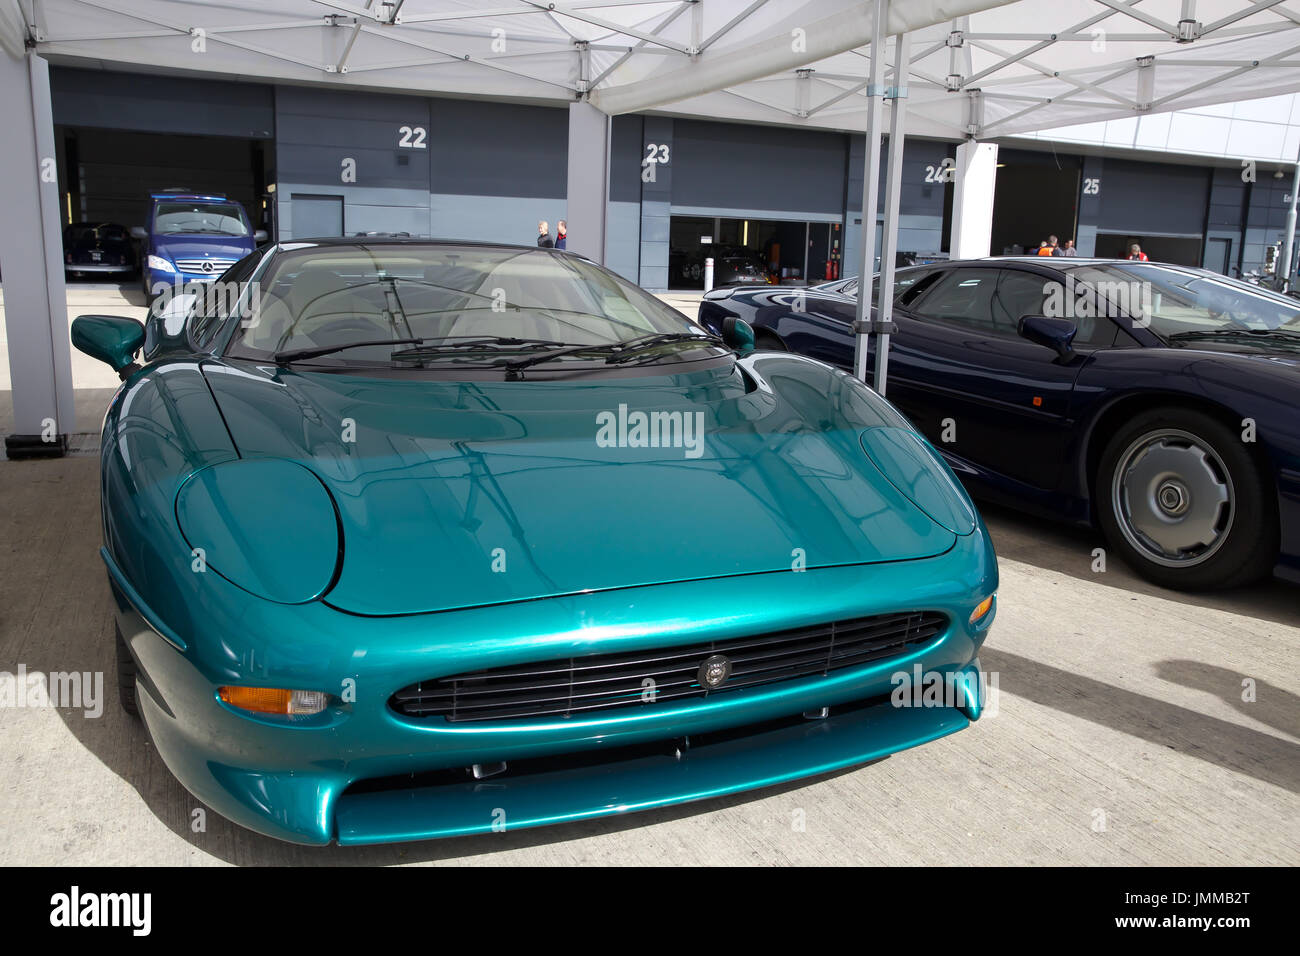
(617, 351)
(297, 355)
(443, 345)
(1233, 333)
(630, 348)
(467, 342)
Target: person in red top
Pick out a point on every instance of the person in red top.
(1050, 248)
(1136, 254)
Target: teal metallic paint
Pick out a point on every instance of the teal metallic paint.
(453, 471)
(283, 546)
(110, 338)
(739, 334)
(204, 743)
(713, 770)
(128, 599)
(915, 469)
(286, 780)
(783, 468)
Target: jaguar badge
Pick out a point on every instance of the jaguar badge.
(714, 671)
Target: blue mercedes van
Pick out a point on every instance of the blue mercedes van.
(192, 238)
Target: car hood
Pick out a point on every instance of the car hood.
(457, 494)
(1251, 352)
(196, 247)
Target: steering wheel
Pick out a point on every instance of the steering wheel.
(343, 328)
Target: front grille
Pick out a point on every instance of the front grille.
(559, 688)
(218, 266)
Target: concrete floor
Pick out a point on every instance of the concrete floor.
(93, 381)
(1120, 736)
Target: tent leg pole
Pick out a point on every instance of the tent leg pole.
(1288, 249)
(893, 187)
(870, 185)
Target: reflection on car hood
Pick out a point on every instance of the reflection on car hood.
(455, 494)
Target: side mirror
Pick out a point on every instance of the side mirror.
(738, 334)
(1057, 334)
(109, 338)
(139, 232)
(259, 235)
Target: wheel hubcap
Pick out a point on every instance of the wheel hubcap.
(1173, 498)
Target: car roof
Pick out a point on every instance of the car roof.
(199, 197)
(324, 242)
(1069, 262)
(1059, 263)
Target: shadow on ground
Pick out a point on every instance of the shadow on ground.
(1068, 549)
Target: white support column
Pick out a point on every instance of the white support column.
(588, 190)
(1287, 273)
(31, 262)
(870, 184)
(974, 177)
(893, 189)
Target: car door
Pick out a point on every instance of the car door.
(959, 369)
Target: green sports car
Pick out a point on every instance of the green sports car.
(411, 539)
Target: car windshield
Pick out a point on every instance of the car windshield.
(203, 218)
(1176, 303)
(378, 296)
(89, 232)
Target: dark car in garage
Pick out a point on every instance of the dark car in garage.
(98, 248)
(1156, 401)
(738, 270)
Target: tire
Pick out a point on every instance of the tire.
(1181, 498)
(126, 672)
(768, 341)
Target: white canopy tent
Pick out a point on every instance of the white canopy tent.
(960, 69)
(1034, 65)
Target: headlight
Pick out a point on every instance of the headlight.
(266, 525)
(160, 264)
(915, 469)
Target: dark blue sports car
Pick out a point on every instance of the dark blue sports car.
(1160, 402)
